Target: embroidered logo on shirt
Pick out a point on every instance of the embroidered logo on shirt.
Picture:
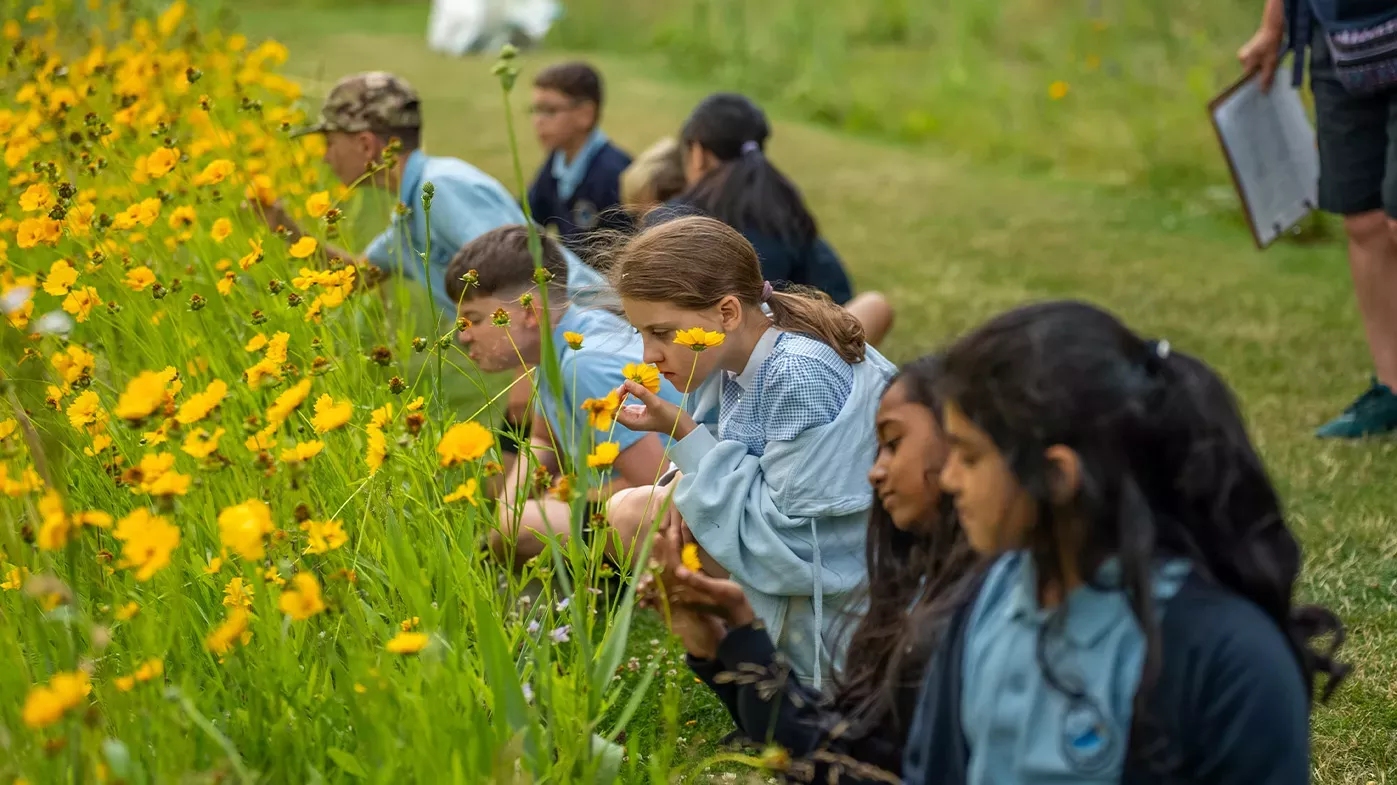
(584, 214)
(1087, 740)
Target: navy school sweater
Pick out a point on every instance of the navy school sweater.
(596, 204)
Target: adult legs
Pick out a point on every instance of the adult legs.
(1372, 252)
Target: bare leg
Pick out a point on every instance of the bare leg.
(1373, 262)
(629, 513)
(874, 312)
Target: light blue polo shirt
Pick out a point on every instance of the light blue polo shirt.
(609, 344)
(1021, 730)
(466, 204)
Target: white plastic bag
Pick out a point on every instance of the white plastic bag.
(459, 27)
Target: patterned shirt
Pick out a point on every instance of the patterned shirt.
(791, 383)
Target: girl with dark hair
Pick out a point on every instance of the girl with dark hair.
(731, 179)
(1140, 626)
(918, 562)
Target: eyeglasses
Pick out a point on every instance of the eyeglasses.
(552, 110)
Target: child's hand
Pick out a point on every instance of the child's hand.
(653, 413)
(723, 599)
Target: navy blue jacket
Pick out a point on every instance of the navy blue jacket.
(1229, 706)
(596, 204)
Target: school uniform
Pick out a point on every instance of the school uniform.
(593, 371)
(578, 197)
(778, 494)
(466, 204)
(1229, 705)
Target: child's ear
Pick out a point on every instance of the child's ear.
(1066, 477)
(730, 312)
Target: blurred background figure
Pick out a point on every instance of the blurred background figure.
(458, 27)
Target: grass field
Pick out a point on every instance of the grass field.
(953, 240)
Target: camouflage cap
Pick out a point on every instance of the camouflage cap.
(371, 101)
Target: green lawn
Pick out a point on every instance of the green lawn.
(953, 242)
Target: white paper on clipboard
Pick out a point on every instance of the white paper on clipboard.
(1270, 147)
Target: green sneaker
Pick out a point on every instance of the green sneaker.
(1372, 414)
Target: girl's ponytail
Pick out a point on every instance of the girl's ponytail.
(812, 312)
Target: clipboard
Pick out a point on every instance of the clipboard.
(1270, 148)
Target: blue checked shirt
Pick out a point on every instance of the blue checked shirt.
(791, 383)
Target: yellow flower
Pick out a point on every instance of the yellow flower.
(80, 303)
(138, 278)
(464, 491)
(182, 217)
(100, 442)
(330, 415)
(647, 376)
(215, 564)
(221, 229)
(601, 412)
(408, 624)
(127, 612)
(73, 363)
(690, 558)
(230, 632)
(573, 339)
(377, 450)
(86, 410)
(200, 404)
(7, 428)
(407, 643)
(19, 317)
(225, 284)
(157, 477)
(303, 451)
(33, 231)
(161, 161)
(264, 439)
(318, 204)
(237, 594)
(303, 247)
(323, 537)
(416, 404)
(381, 416)
(1058, 90)
(14, 579)
(304, 601)
(215, 172)
(200, 444)
(241, 528)
(287, 402)
(37, 198)
(61, 276)
(698, 339)
(464, 441)
(605, 455)
(46, 705)
(257, 342)
(143, 395)
(147, 542)
(254, 256)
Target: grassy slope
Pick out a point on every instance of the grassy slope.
(953, 243)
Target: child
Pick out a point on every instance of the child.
(918, 564)
(577, 190)
(1140, 626)
(776, 497)
(655, 177)
(730, 178)
(503, 273)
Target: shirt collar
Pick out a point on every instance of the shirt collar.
(1091, 609)
(409, 191)
(569, 174)
(765, 346)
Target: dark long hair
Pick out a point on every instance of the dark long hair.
(1167, 468)
(914, 582)
(745, 192)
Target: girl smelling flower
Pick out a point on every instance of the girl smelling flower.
(772, 490)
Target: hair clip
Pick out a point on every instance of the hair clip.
(751, 146)
(1161, 349)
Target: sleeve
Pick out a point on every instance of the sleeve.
(596, 373)
(824, 271)
(384, 250)
(1245, 718)
(463, 212)
(538, 210)
(735, 503)
(792, 715)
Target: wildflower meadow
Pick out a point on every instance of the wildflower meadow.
(243, 530)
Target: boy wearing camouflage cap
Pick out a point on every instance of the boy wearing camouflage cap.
(361, 115)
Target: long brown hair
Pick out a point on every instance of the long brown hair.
(695, 261)
(916, 579)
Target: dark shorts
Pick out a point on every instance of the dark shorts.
(1357, 138)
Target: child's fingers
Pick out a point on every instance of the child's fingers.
(721, 591)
